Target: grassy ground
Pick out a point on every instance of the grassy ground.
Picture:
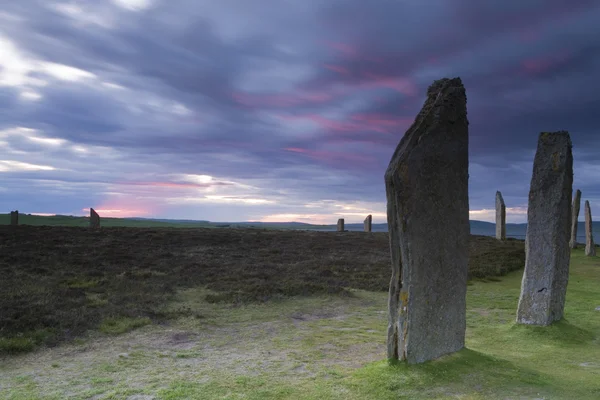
(324, 347)
(58, 282)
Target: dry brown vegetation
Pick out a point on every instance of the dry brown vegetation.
(58, 282)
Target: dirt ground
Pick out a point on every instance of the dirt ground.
(59, 282)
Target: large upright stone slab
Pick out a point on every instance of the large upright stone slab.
(14, 218)
(500, 217)
(368, 223)
(575, 218)
(590, 247)
(428, 217)
(547, 252)
(340, 225)
(94, 219)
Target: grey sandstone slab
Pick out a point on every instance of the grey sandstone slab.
(94, 219)
(428, 217)
(368, 223)
(575, 218)
(340, 225)
(547, 251)
(500, 217)
(590, 247)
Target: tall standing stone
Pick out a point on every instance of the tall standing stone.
(368, 223)
(14, 218)
(575, 218)
(340, 225)
(94, 219)
(428, 217)
(547, 252)
(500, 217)
(590, 247)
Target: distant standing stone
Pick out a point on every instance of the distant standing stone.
(94, 219)
(368, 223)
(500, 217)
(428, 216)
(14, 217)
(547, 255)
(590, 248)
(575, 219)
(340, 225)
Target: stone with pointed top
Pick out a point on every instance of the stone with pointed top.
(575, 218)
(14, 218)
(500, 217)
(94, 219)
(340, 225)
(428, 217)
(547, 255)
(590, 247)
(368, 223)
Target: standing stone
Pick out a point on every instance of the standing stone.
(590, 247)
(547, 252)
(94, 219)
(575, 219)
(14, 217)
(500, 217)
(428, 217)
(340, 225)
(368, 223)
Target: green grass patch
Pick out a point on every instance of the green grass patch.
(115, 326)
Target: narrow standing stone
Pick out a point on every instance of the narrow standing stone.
(340, 225)
(14, 217)
(94, 219)
(428, 217)
(500, 217)
(547, 252)
(368, 223)
(575, 219)
(590, 248)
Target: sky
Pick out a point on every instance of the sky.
(281, 110)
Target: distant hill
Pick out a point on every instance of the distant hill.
(483, 228)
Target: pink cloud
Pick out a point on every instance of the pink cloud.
(399, 84)
(343, 48)
(361, 122)
(528, 36)
(281, 100)
(337, 68)
(542, 64)
(176, 185)
(331, 157)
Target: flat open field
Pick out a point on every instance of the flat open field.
(58, 282)
(126, 313)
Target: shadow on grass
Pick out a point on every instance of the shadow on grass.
(466, 372)
(561, 331)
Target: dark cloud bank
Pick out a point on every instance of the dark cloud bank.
(240, 110)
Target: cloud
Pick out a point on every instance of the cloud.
(133, 105)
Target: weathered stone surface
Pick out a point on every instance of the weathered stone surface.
(575, 218)
(590, 247)
(340, 225)
(428, 217)
(14, 217)
(500, 217)
(94, 219)
(548, 254)
(368, 223)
